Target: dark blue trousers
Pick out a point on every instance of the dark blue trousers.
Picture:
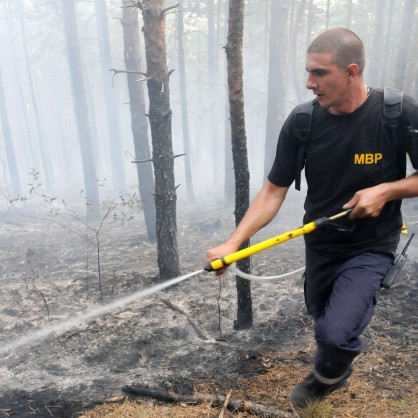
(341, 296)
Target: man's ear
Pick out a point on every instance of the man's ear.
(352, 70)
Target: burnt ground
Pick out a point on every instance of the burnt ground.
(49, 274)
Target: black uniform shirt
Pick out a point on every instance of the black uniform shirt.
(347, 153)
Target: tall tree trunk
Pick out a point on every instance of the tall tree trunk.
(309, 25)
(276, 90)
(239, 148)
(229, 184)
(293, 46)
(386, 70)
(81, 111)
(14, 181)
(213, 85)
(411, 79)
(377, 47)
(39, 159)
(266, 37)
(112, 115)
(184, 109)
(404, 44)
(327, 14)
(162, 148)
(349, 19)
(139, 121)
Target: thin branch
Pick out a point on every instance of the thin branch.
(195, 326)
(142, 161)
(225, 405)
(137, 4)
(29, 264)
(151, 160)
(218, 302)
(127, 153)
(116, 71)
(169, 8)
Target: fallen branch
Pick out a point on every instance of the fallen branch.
(114, 399)
(196, 327)
(216, 400)
(225, 405)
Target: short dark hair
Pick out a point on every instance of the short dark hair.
(346, 47)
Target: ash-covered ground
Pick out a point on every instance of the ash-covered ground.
(49, 274)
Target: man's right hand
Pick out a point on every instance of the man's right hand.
(261, 211)
(220, 251)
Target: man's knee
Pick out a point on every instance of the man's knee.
(334, 334)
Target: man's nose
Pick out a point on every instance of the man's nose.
(310, 82)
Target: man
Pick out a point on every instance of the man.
(352, 162)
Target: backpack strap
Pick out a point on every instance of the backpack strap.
(302, 131)
(392, 99)
(392, 110)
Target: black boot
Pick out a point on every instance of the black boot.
(311, 389)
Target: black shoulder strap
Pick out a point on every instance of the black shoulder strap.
(302, 131)
(392, 109)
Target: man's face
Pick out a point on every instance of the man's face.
(327, 81)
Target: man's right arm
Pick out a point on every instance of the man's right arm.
(260, 212)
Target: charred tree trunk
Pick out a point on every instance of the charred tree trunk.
(81, 111)
(239, 148)
(139, 120)
(184, 109)
(162, 148)
(229, 187)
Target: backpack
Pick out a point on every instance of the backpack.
(392, 109)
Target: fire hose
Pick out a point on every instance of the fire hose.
(230, 259)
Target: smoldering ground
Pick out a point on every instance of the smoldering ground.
(49, 274)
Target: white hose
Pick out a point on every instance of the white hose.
(247, 276)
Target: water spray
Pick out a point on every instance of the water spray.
(217, 264)
(65, 325)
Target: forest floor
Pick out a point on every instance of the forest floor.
(49, 273)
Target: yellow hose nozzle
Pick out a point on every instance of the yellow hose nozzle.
(279, 239)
